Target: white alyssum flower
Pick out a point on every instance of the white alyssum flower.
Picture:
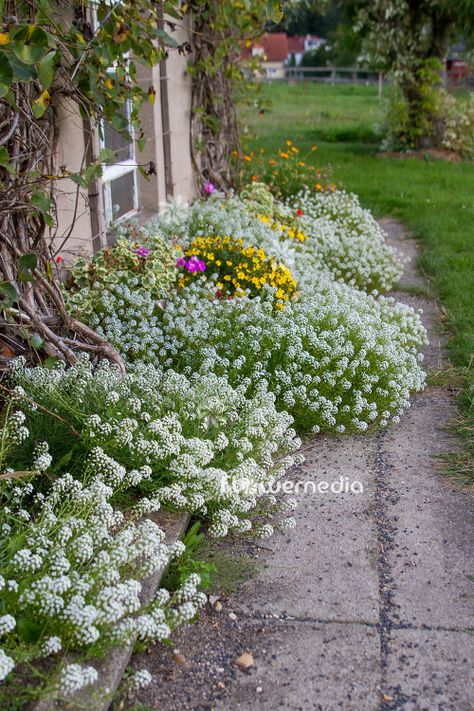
(7, 664)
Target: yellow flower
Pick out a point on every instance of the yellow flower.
(289, 143)
(4, 38)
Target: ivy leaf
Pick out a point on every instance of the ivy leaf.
(9, 293)
(106, 155)
(166, 38)
(28, 53)
(46, 69)
(26, 265)
(4, 157)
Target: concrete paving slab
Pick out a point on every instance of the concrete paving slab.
(430, 671)
(306, 666)
(327, 568)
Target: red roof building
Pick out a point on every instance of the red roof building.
(273, 47)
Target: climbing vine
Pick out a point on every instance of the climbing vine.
(52, 53)
(220, 80)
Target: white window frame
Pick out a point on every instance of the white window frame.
(117, 170)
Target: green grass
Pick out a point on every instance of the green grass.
(434, 198)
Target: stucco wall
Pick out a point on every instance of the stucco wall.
(72, 204)
(152, 192)
(179, 90)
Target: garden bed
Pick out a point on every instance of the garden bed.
(246, 322)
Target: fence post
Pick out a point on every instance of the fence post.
(380, 84)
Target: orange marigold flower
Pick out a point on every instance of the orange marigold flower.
(289, 143)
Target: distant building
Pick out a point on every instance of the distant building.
(273, 49)
(277, 50)
(296, 49)
(313, 42)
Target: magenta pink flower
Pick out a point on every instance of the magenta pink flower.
(209, 188)
(195, 265)
(142, 252)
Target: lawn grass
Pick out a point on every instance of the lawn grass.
(434, 198)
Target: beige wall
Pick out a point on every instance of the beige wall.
(152, 192)
(276, 70)
(179, 91)
(72, 204)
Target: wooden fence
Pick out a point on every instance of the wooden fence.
(358, 75)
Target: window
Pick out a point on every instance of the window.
(119, 180)
(120, 190)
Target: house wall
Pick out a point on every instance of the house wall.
(275, 70)
(82, 217)
(73, 217)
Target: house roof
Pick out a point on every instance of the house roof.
(295, 44)
(274, 46)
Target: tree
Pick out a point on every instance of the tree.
(410, 39)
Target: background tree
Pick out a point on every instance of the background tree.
(410, 39)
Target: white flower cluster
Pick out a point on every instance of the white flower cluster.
(339, 360)
(217, 216)
(195, 443)
(78, 574)
(346, 240)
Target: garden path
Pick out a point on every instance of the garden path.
(367, 605)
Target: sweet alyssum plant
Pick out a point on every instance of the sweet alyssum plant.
(99, 454)
(338, 360)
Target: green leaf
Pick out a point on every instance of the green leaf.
(106, 155)
(28, 631)
(41, 200)
(21, 71)
(4, 157)
(9, 293)
(50, 363)
(28, 53)
(274, 10)
(6, 71)
(26, 265)
(166, 38)
(36, 341)
(67, 457)
(39, 105)
(46, 69)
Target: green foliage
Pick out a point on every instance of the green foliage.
(145, 263)
(190, 561)
(285, 172)
(410, 40)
